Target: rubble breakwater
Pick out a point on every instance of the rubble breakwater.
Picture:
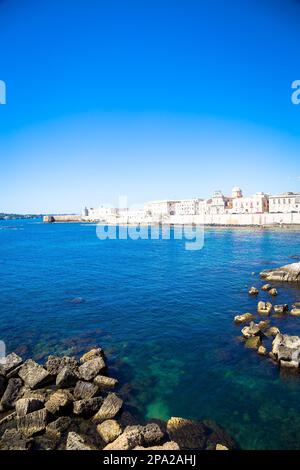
(70, 404)
(284, 348)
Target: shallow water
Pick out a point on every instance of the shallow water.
(164, 315)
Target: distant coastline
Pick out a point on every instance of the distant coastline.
(5, 216)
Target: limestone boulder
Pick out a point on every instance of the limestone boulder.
(91, 368)
(272, 331)
(273, 292)
(11, 394)
(262, 350)
(281, 308)
(152, 434)
(253, 291)
(244, 318)
(287, 273)
(85, 390)
(87, 406)
(252, 330)
(77, 442)
(110, 407)
(263, 325)
(295, 312)
(264, 308)
(289, 364)
(55, 364)
(109, 430)
(253, 342)
(286, 347)
(66, 378)
(131, 438)
(57, 427)
(12, 440)
(59, 402)
(105, 383)
(34, 375)
(12, 361)
(32, 423)
(170, 445)
(187, 434)
(25, 406)
(92, 354)
(221, 447)
(266, 287)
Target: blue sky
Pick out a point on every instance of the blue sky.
(151, 99)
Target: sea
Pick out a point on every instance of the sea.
(164, 316)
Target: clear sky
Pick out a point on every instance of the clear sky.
(146, 98)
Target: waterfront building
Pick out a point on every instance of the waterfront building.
(101, 213)
(186, 207)
(285, 203)
(257, 204)
(236, 192)
(219, 204)
(161, 208)
(201, 207)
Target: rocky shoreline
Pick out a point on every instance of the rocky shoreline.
(285, 349)
(288, 273)
(70, 404)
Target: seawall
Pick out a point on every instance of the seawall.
(258, 220)
(62, 218)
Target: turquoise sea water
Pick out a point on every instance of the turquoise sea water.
(163, 314)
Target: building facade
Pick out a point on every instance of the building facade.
(161, 208)
(186, 207)
(257, 204)
(218, 204)
(285, 203)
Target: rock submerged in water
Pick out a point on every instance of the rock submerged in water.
(262, 350)
(253, 342)
(273, 292)
(264, 308)
(244, 318)
(272, 331)
(52, 407)
(287, 273)
(253, 291)
(252, 330)
(280, 309)
(266, 287)
(295, 312)
(105, 383)
(286, 348)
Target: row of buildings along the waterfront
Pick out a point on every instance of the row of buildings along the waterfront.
(217, 205)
